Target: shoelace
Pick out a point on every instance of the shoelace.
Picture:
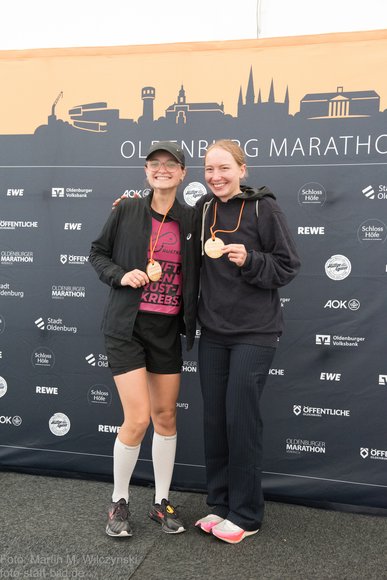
(121, 511)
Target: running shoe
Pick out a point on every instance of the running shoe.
(208, 522)
(166, 515)
(118, 520)
(229, 532)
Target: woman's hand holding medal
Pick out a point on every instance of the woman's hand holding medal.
(135, 279)
(237, 253)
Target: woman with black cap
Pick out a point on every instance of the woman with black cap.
(148, 254)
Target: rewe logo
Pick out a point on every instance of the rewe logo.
(73, 226)
(57, 192)
(323, 339)
(383, 380)
(330, 377)
(311, 230)
(15, 192)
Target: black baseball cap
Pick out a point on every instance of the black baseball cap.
(169, 146)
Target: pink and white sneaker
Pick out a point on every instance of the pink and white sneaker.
(231, 533)
(207, 523)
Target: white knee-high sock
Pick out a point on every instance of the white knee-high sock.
(163, 456)
(124, 462)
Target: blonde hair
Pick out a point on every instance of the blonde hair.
(233, 148)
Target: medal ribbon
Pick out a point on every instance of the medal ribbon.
(213, 232)
(152, 248)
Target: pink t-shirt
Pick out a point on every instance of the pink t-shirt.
(164, 296)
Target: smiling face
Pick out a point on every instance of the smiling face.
(169, 173)
(223, 173)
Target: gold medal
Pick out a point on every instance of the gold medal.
(213, 247)
(154, 271)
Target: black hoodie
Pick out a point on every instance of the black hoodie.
(241, 304)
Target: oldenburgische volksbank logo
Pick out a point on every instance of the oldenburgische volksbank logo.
(339, 340)
(72, 192)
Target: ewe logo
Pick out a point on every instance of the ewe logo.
(73, 226)
(338, 267)
(15, 192)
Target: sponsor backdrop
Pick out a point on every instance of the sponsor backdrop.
(310, 114)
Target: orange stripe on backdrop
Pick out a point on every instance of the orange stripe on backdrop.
(209, 71)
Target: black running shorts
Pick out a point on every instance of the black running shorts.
(155, 345)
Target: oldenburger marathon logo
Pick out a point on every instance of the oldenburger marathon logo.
(60, 292)
(298, 446)
(8, 257)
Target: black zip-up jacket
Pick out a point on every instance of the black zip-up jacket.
(123, 246)
(242, 303)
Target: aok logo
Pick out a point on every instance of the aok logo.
(73, 226)
(330, 377)
(324, 339)
(15, 192)
(311, 230)
(352, 304)
(16, 421)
